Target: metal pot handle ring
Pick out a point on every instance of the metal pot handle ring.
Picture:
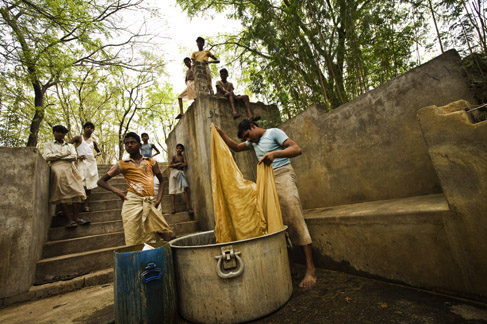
(231, 274)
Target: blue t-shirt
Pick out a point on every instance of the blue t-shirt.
(146, 150)
(269, 142)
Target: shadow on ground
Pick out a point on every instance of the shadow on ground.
(343, 298)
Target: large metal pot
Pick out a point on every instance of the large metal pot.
(231, 282)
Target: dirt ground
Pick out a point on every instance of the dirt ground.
(337, 298)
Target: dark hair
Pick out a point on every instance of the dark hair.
(89, 124)
(144, 134)
(186, 59)
(60, 128)
(180, 145)
(223, 70)
(133, 135)
(200, 39)
(245, 125)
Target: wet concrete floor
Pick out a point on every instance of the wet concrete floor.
(337, 298)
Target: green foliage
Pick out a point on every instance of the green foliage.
(43, 41)
(296, 53)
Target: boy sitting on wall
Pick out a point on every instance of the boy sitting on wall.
(225, 89)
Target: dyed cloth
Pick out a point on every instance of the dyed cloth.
(139, 178)
(141, 220)
(88, 171)
(242, 209)
(177, 182)
(65, 182)
(188, 93)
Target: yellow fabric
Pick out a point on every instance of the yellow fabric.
(141, 220)
(201, 56)
(241, 207)
(268, 198)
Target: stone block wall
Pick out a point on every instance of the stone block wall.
(24, 217)
(372, 148)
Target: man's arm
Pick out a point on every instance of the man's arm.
(102, 182)
(98, 152)
(75, 140)
(73, 154)
(220, 87)
(155, 149)
(236, 147)
(50, 155)
(157, 172)
(291, 149)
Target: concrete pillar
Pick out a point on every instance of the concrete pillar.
(200, 79)
(193, 131)
(458, 150)
(24, 217)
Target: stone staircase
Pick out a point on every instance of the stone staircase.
(74, 252)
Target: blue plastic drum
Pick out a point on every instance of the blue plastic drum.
(144, 285)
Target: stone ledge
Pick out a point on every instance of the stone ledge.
(381, 208)
(60, 287)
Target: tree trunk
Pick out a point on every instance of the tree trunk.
(35, 124)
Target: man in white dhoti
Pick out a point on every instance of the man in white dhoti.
(65, 186)
(87, 160)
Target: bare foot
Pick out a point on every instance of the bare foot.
(309, 279)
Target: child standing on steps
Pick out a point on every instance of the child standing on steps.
(147, 148)
(177, 180)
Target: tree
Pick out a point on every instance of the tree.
(330, 51)
(326, 52)
(42, 40)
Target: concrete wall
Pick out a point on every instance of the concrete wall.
(372, 147)
(24, 217)
(458, 149)
(193, 131)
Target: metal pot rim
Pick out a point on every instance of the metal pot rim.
(175, 241)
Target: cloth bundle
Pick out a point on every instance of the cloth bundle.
(242, 208)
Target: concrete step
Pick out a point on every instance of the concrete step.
(95, 228)
(102, 195)
(167, 207)
(73, 265)
(82, 244)
(97, 190)
(178, 217)
(100, 277)
(100, 205)
(94, 217)
(68, 266)
(185, 228)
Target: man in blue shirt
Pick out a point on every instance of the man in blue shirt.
(273, 146)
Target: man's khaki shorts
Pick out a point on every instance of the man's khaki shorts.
(292, 213)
